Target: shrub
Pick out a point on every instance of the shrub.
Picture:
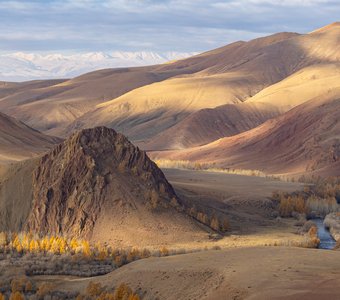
(44, 289)
(106, 296)
(16, 296)
(164, 251)
(225, 225)
(291, 204)
(215, 224)
(93, 289)
(306, 227)
(203, 218)
(3, 239)
(18, 284)
(322, 206)
(123, 292)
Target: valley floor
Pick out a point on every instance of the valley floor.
(245, 273)
(244, 265)
(244, 199)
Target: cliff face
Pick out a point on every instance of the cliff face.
(97, 176)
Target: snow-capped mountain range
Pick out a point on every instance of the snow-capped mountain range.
(21, 66)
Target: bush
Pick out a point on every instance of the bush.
(291, 204)
(44, 289)
(93, 289)
(16, 296)
(306, 227)
(123, 292)
(322, 207)
(164, 251)
(19, 284)
(3, 239)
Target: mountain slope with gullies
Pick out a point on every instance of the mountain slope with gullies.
(204, 81)
(227, 75)
(236, 73)
(208, 125)
(97, 185)
(304, 140)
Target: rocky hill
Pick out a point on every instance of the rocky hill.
(98, 185)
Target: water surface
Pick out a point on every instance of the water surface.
(326, 240)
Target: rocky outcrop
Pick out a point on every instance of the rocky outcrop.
(95, 175)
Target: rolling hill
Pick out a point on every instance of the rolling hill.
(207, 125)
(239, 100)
(273, 70)
(304, 140)
(204, 81)
(18, 141)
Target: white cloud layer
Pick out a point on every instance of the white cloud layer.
(155, 25)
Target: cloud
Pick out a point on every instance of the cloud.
(187, 25)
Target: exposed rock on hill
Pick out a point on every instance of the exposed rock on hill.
(98, 185)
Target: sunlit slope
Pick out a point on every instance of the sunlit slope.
(143, 102)
(304, 85)
(305, 139)
(319, 76)
(207, 125)
(227, 75)
(53, 107)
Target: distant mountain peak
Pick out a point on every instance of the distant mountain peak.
(22, 66)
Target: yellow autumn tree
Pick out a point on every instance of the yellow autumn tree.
(3, 239)
(16, 296)
(86, 248)
(93, 289)
(123, 291)
(34, 246)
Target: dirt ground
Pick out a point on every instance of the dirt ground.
(244, 273)
(245, 265)
(244, 199)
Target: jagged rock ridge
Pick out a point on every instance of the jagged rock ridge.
(98, 177)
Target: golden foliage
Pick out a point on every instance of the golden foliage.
(3, 239)
(44, 289)
(291, 204)
(17, 296)
(17, 284)
(164, 251)
(122, 292)
(93, 289)
(215, 224)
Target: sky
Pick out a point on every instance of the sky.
(151, 25)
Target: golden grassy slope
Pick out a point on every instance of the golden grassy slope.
(304, 85)
(227, 75)
(208, 125)
(51, 108)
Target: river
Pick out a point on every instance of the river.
(326, 240)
